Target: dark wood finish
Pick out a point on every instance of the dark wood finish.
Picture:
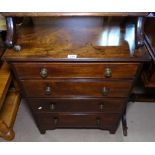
(73, 88)
(149, 72)
(148, 77)
(63, 61)
(103, 105)
(150, 36)
(149, 47)
(124, 121)
(149, 31)
(9, 103)
(48, 121)
(21, 14)
(8, 115)
(144, 97)
(75, 70)
(100, 39)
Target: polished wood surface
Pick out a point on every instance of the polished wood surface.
(103, 105)
(5, 80)
(8, 115)
(96, 38)
(48, 121)
(9, 103)
(21, 14)
(6, 132)
(62, 63)
(32, 70)
(79, 88)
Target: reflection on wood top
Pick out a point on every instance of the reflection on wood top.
(20, 14)
(86, 37)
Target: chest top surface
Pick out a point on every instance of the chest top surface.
(78, 38)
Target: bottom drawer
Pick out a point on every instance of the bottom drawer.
(46, 121)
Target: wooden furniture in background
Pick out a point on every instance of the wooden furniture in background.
(9, 94)
(150, 40)
(5, 81)
(9, 103)
(147, 93)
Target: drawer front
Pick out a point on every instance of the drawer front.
(51, 121)
(105, 105)
(75, 70)
(74, 88)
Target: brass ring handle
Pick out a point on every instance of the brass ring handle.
(48, 90)
(105, 91)
(43, 72)
(108, 72)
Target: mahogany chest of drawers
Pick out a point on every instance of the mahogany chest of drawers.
(69, 79)
(80, 95)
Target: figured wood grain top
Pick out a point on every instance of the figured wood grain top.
(21, 14)
(89, 38)
(109, 55)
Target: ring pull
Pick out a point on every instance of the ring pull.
(108, 72)
(48, 90)
(43, 72)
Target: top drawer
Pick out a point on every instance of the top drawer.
(75, 70)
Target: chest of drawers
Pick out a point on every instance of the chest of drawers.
(76, 95)
(73, 74)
